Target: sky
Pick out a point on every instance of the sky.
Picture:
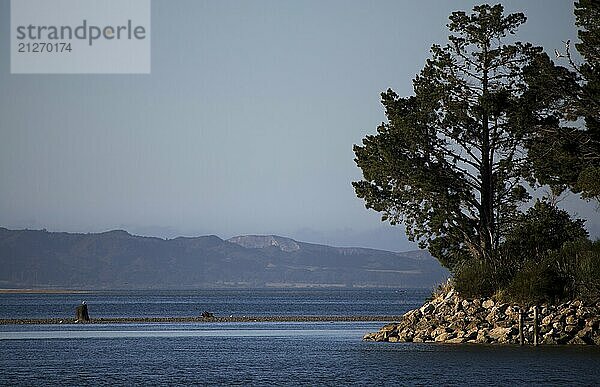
(244, 126)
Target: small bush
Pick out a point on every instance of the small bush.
(579, 263)
(543, 228)
(475, 279)
(537, 282)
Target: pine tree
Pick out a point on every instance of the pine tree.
(561, 111)
(450, 161)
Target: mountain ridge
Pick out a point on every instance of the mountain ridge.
(118, 259)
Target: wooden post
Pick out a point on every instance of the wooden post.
(535, 326)
(521, 339)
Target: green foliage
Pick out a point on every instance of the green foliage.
(561, 111)
(571, 272)
(537, 282)
(543, 228)
(475, 279)
(578, 263)
(447, 163)
(543, 258)
(489, 115)
(532, 271)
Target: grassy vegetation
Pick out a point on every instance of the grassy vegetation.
(546, 257)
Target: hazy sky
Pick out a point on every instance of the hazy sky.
(245, 125)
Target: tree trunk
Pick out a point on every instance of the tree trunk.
(486, 211)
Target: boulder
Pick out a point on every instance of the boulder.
(547, 320)
(427, 308)
(450, 319)
(562, 338)
(471, 335)
(571, 329)
(369, 336)
(577, 341)
(389, 328)
(456, 340)
(571, 320)
(549, 340)
(487, 304)
(499, 334)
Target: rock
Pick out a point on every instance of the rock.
(562, 338)
(577, 341)
(571, 328)
(571, 320)
(586, 332)
(487, 304)
(483, 336)
(547, 320)
(369, 337)
(386, 328)
(436, 332)
(408, 334)
(549, 340)
(471, 335)
(557, 326)
(206, 314)
(451, 319)
(500, 334)
(592, 322)
(456, 340)
(427, 308)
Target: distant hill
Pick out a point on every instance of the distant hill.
(117, 259)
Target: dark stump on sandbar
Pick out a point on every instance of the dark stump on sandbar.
(81, 313)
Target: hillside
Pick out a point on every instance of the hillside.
(117, 259)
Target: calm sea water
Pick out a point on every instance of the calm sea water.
(261, 353)
(177, 303)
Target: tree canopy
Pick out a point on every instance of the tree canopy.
(490, 120)
(561, 110)
(449, 163)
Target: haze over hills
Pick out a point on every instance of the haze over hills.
(117, 259)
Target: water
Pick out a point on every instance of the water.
(188, 303)
(322, 353)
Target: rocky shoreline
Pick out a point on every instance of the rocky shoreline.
(217, 319)
(449, 318)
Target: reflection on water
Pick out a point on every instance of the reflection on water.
(108, 334)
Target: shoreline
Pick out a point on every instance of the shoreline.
(43, 291)
(450, 319)
(240, 319)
